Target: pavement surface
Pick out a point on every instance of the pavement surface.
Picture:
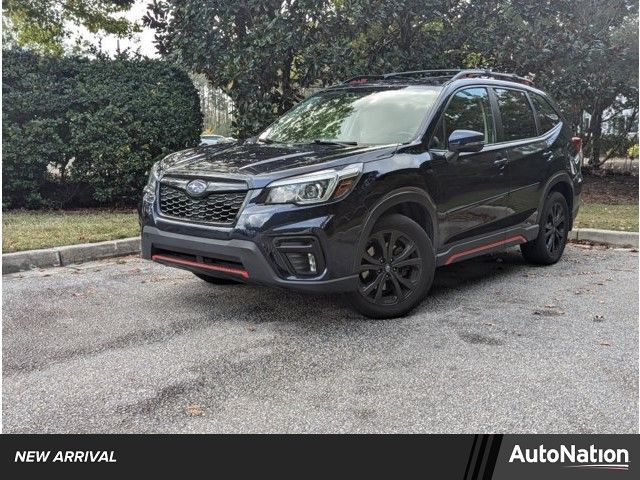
(499, 346)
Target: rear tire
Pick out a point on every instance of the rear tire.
(548, 246)
(216, 280)
(395, 268)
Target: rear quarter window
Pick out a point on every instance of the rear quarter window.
(547, 116)
(518, 121)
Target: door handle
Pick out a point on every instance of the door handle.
(501, 161)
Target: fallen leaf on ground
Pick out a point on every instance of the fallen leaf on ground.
(598, 318)
(251, 329)
(605, 344)
(194, 410)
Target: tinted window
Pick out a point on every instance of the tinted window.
(517, 116)
(468, 110)
(547, 116)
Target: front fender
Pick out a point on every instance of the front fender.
(392, 199)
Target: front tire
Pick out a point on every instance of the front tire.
(395, 268)
(548, 246)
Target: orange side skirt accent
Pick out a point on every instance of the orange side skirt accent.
(464, 253)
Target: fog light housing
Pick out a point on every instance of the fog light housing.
(299, 256)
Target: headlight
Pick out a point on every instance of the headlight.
(152, 181)
(314, 187)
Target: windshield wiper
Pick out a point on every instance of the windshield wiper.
(322, 141)
(266, 140)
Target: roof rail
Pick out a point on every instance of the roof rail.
(362, 79)
(439, 72)
(414, 74)
(448, 74)
(491, 74)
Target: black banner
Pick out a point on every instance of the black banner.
(465, 457)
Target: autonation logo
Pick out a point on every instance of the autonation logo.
(592, 457)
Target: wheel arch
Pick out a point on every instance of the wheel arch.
(411, 202)
(561, 182)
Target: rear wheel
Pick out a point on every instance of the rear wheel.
(395, 270)
(548, 246)
(216, 280)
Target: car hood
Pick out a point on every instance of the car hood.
(258, 164)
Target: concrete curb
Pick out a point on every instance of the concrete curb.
(607, 237)
(62, 256)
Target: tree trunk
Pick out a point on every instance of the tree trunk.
(596, 133)
(288, 99)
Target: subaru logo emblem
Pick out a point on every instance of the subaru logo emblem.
(196, 188)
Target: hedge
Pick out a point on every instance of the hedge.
(79, 132)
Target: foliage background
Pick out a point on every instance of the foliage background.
(265, 53)
(79, 132)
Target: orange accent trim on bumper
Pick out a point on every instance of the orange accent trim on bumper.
(204, 266)
(464, 253)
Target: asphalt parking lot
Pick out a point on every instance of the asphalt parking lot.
(499, 346)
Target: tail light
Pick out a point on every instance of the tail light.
(577, 143)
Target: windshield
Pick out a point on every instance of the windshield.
(363, 116)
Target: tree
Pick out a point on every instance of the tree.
(583, 52)
(44, 24)
(85, 132)
(262, 53)
(401, 35)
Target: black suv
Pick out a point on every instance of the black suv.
(366, 187)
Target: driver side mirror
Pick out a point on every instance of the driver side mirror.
(466, 141)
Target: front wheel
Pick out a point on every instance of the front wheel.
(395, 269)
(548, 246)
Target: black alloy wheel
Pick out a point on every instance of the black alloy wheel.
(395, 268)
(390, 268)
(554, 229)
(547, 247)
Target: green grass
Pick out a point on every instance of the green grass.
(608, 217)
(23, 230)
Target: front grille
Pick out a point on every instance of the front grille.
(220, 208)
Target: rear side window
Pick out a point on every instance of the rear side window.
(468, 109)
(517, 117)
(547, 116)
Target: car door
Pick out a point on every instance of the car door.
(472, 187)
(529, 154)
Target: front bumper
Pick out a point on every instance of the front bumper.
(228, 258)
